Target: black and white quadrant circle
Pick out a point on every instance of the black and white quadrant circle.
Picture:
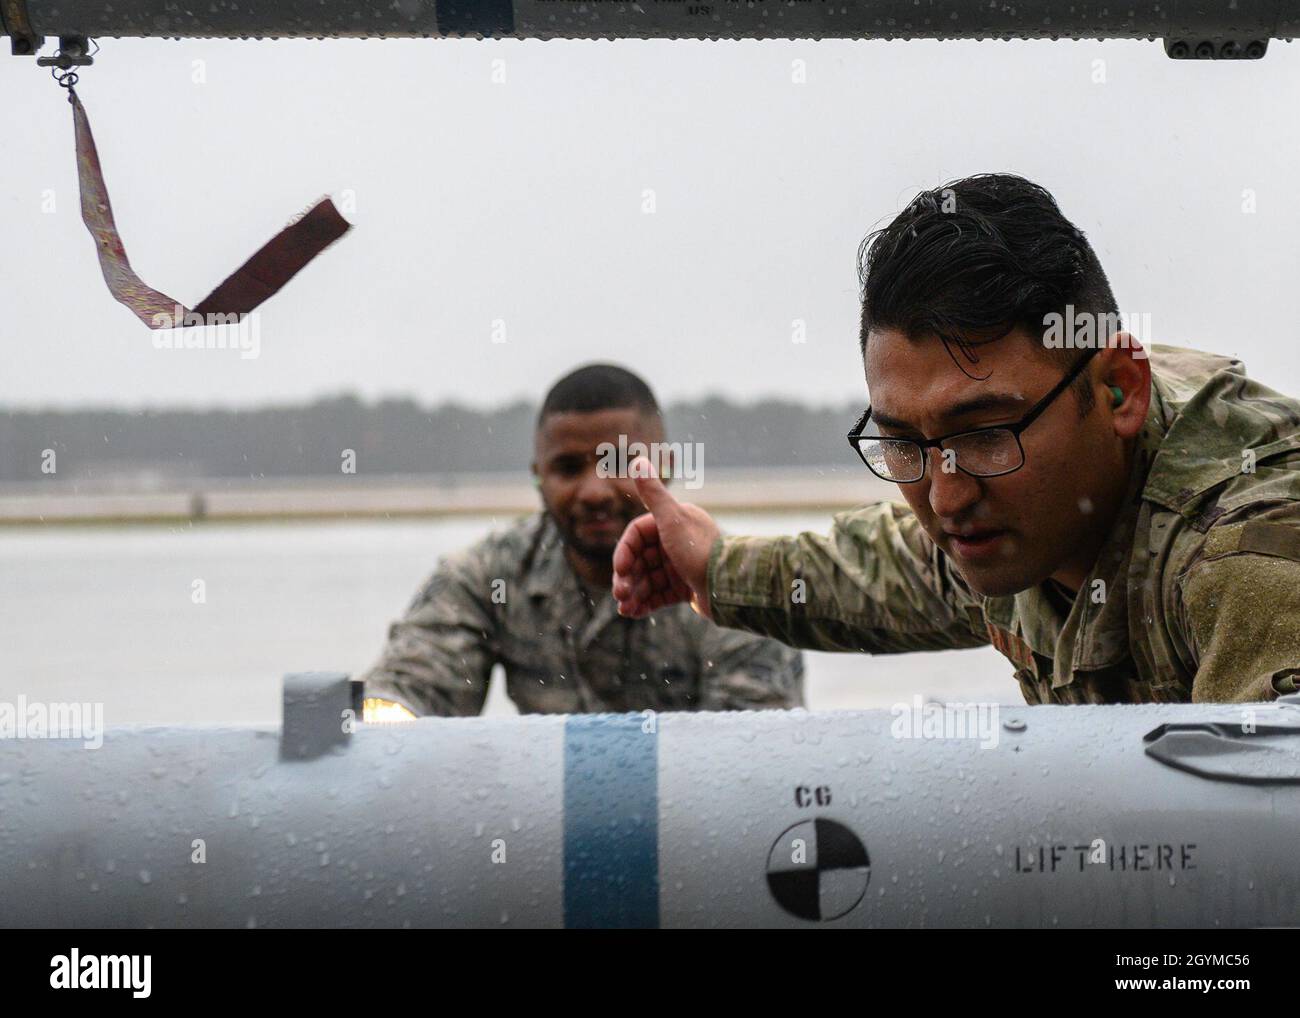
(818, 870)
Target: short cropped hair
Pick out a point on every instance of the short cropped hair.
(594, 387)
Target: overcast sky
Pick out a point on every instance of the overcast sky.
(524, 201)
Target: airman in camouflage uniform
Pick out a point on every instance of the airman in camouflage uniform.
(1201, 572)
(535, 598)
(1128, 534)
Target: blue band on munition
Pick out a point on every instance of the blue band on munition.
(611, 822)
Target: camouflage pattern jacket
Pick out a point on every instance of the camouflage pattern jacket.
(513, 599)
(1200, 575)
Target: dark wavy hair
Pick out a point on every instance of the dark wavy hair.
(974, 259)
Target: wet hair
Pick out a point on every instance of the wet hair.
(594, 387)
(972, 260)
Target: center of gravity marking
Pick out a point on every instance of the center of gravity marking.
(818, 870)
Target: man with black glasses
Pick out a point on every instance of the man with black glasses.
(1124, 526)
(535, 597)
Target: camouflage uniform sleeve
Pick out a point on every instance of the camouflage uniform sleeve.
(741, 671)
(439, 656)
(876, 584)
(1240, 611)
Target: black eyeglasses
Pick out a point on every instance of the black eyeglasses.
(983, 452)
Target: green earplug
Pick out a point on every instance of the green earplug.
(1117, 394)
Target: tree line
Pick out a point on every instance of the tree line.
(390, 436)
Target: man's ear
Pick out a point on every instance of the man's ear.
(1125, 367)
(537, 478)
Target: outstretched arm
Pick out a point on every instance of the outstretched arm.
(875, 584)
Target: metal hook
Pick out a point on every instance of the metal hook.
(66, 79)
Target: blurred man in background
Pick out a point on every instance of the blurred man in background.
(536, 599)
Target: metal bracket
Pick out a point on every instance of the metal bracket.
(23, 42)
(73, 51)
(320, 711)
